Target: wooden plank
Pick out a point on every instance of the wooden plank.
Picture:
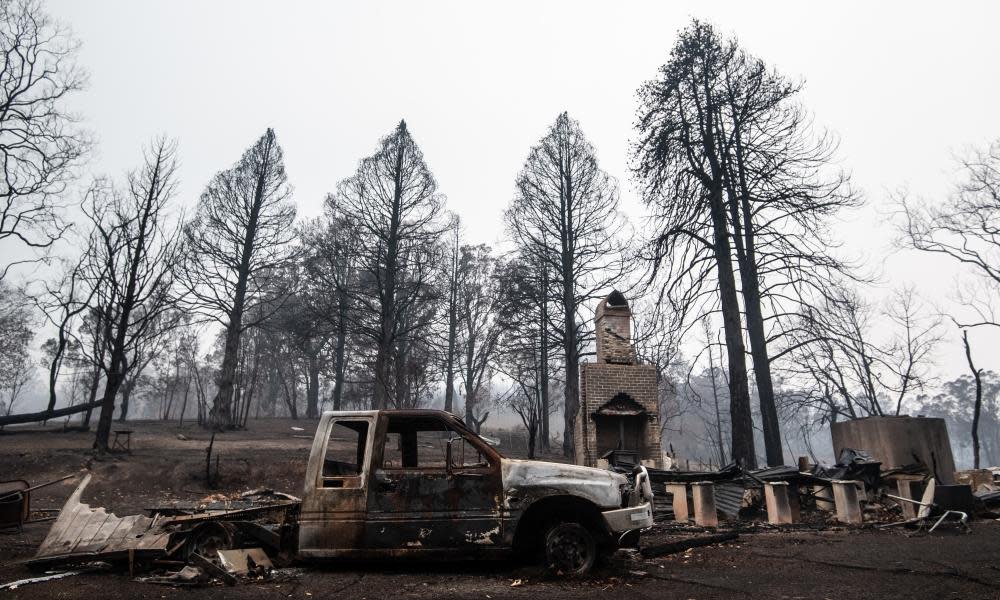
(56, 540)
(105, 532)
(84, 539)
(122, 528)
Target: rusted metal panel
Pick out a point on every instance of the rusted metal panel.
(529, 480)
(332, 518)
(82, 531)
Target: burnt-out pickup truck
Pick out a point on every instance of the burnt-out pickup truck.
(419, 483)
(395, 483)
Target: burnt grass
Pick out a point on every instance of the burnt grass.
(804, 562)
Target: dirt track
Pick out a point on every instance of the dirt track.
(790, 564)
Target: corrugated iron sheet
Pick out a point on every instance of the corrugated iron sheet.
(729, 497)
(82, 531)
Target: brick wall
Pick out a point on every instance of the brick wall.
(599, 383)
(614, 334)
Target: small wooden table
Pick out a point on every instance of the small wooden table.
(123, 441)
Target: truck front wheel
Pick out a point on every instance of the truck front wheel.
(570, 549)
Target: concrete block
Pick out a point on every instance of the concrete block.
(845, 495)
(705, 515)
(680, 496)
(779, 508)
(895, 441)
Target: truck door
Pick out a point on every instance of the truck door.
(334, 501)
(419, 502)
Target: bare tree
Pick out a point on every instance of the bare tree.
(394, 207)
(523, 397)
(680, 163)
(39, 139)
(94, 349)
(479, 299)
(565, 216)
(303, 322)
(132, 264)
(965, 228)
(657, 336)
(330, 263)
(61, 304)
(953, 402)
(843, 371)
(144, 352)
(977, 407)
(242, 231)
(452, 268)
(746, 180)
(16, 334)
(527, 342)
(780, 192)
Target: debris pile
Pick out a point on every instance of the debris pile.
(218, 539)
(854, 491)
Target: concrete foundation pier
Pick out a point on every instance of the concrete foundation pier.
(682, 512)
(845, 495)
(779, 508)
(705, 515)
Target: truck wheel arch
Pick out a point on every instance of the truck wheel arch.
(553, 509)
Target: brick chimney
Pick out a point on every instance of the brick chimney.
(614, 331)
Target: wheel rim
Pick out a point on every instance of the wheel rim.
(209, 539)
(569, 549)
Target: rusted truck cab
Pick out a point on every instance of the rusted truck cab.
(419, 483)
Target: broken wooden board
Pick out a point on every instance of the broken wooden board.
(84, 532)
(239, 561)
(212, 569)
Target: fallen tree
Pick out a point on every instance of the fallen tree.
(45, 415)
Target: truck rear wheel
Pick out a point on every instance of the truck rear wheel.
(570, 549)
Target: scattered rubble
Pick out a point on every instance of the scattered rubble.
(13, 585)
(82, 533)
(856, 491)
(225, 539)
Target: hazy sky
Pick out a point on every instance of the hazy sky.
(904, 85)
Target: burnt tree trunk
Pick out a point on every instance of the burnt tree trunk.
(745, 241)
(221, 415)
(568, 275)
(338, 361)
(543, 378)
(978, 407)
(452, 343)
(449, 367)
(118, 359)
(312, 389)
(470, 390)
(387, 316)
(746, 258)
(739, 393)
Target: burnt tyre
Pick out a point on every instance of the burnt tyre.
(570, 549)
(208, 538)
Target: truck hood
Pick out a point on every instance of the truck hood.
(533, 479)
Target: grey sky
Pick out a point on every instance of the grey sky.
(904, 85)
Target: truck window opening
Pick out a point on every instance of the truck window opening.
(345, 449)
